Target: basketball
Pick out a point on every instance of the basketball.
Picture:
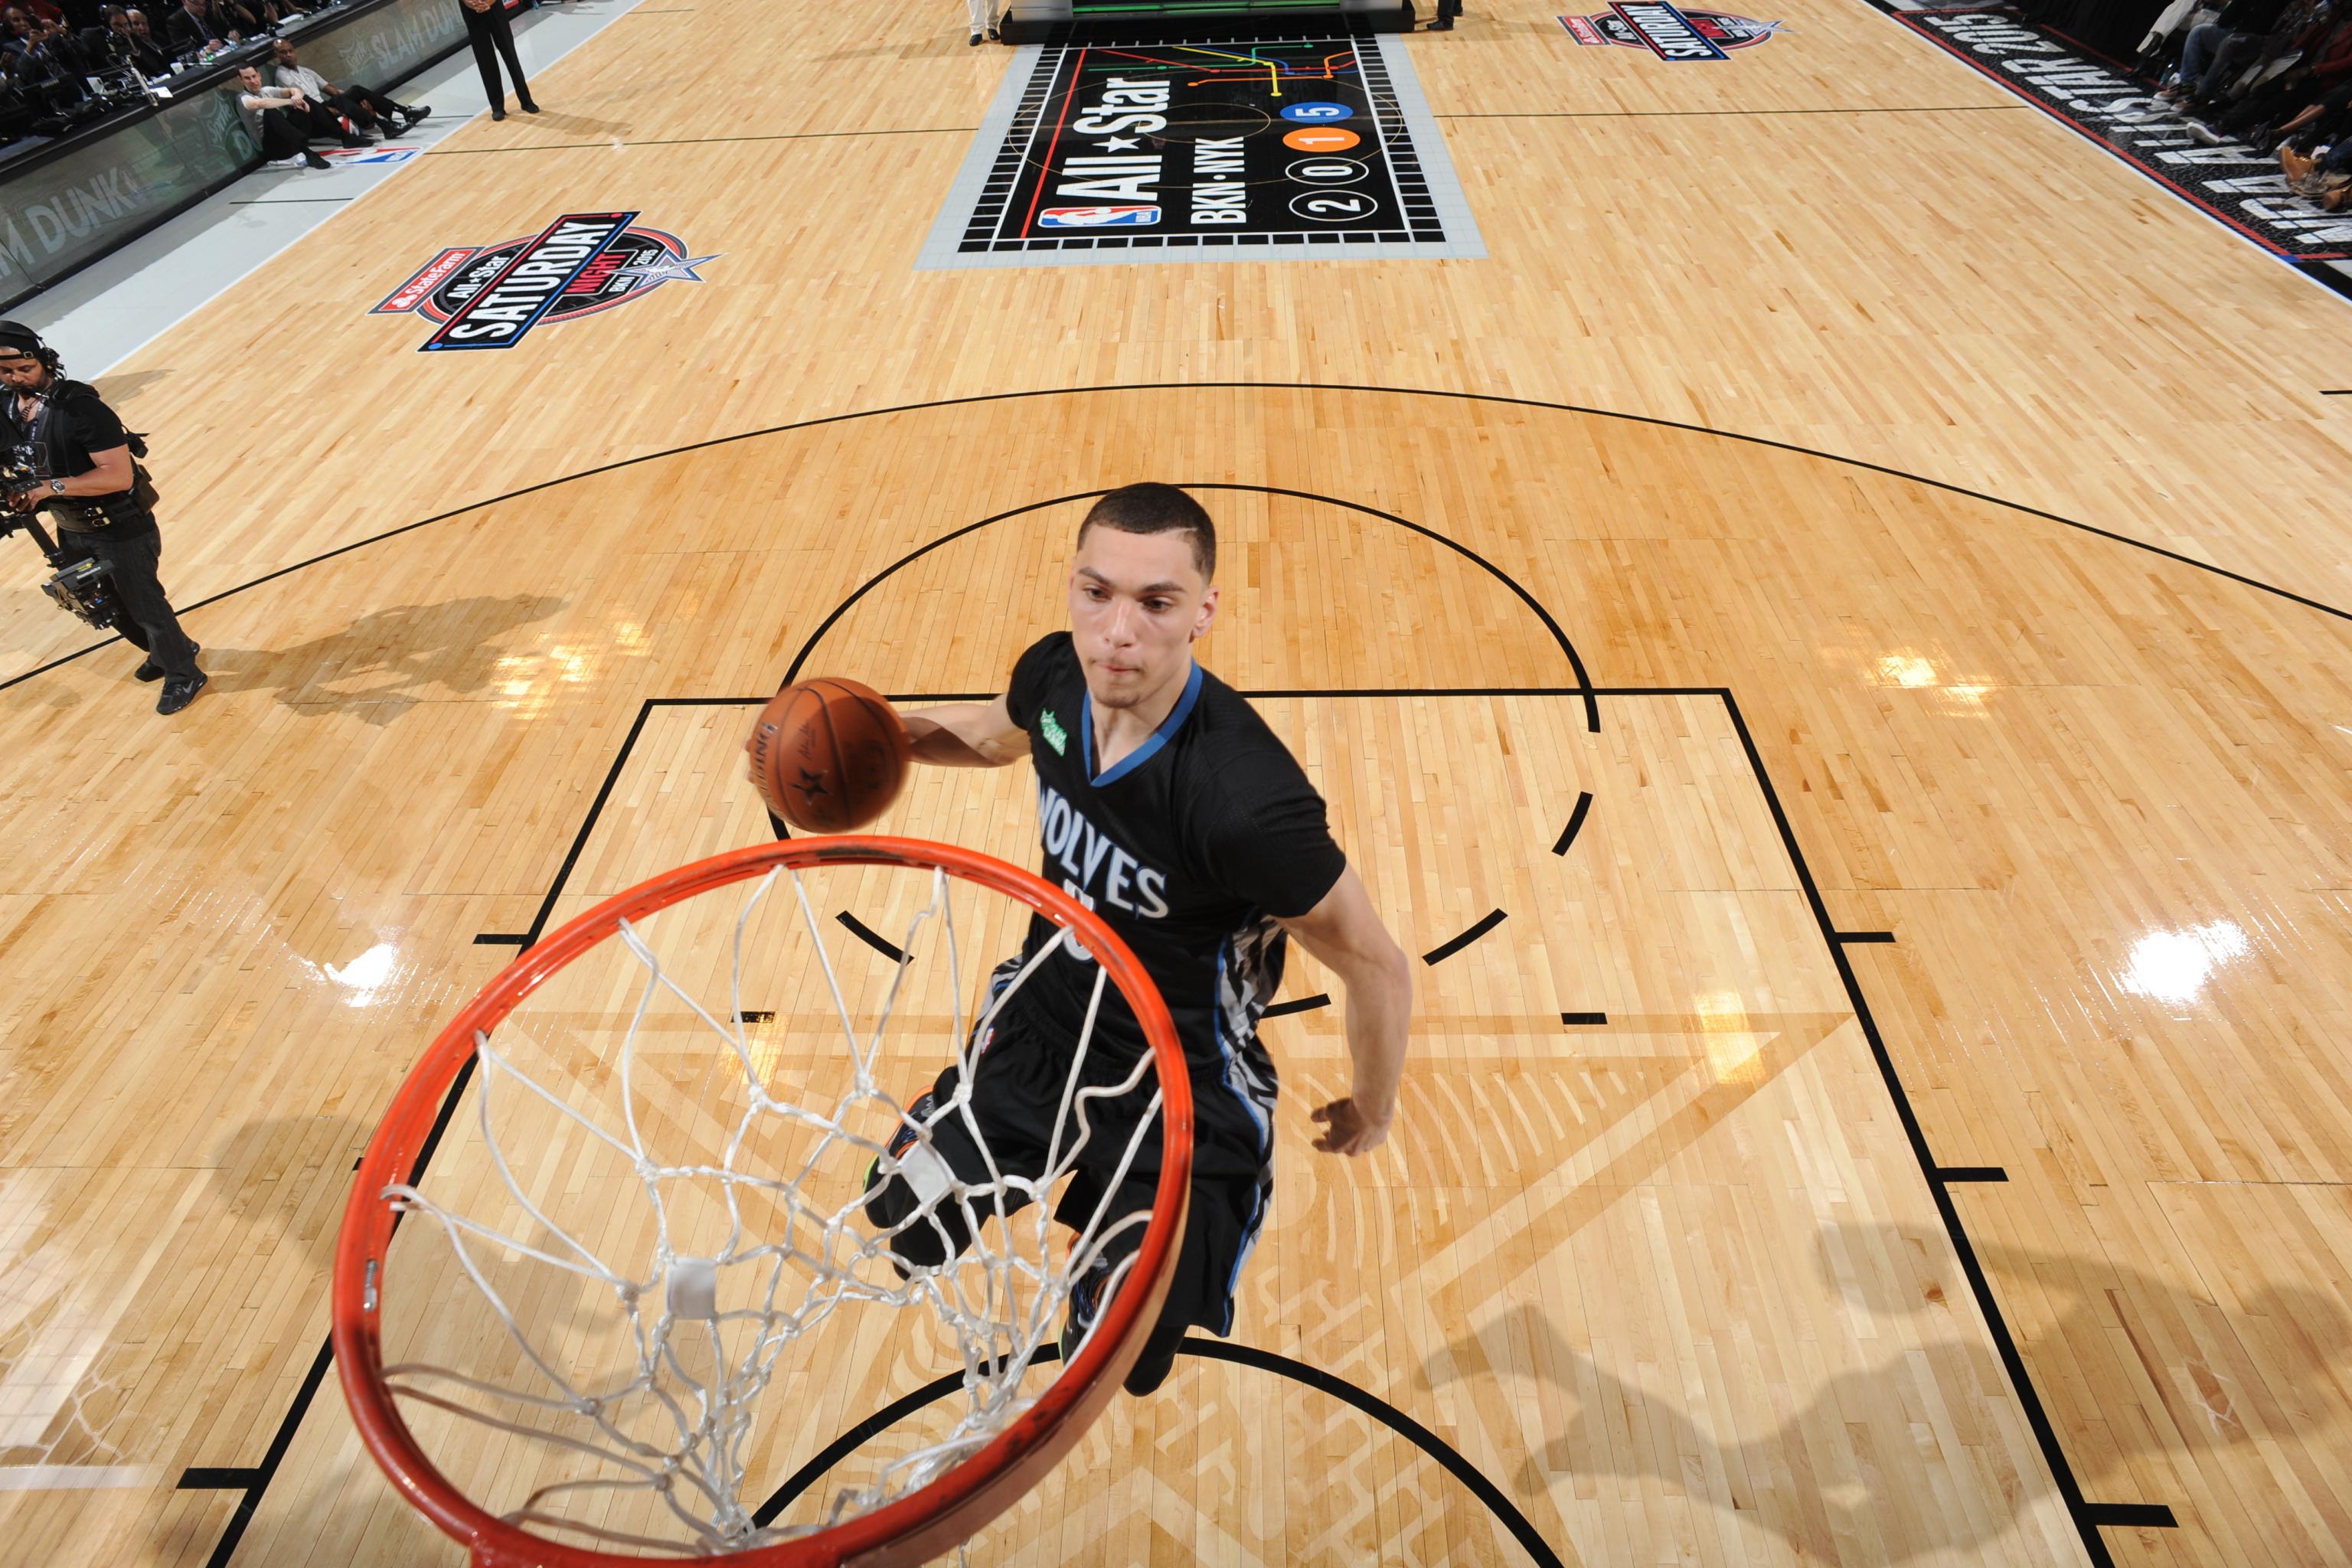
(829, 755)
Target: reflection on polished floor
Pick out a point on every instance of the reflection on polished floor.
(1924, 594)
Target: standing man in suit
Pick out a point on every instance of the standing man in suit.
(486, 25)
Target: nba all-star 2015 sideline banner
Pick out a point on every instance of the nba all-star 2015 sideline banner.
(2239, 185)
(489, 297)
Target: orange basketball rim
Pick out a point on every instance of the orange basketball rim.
(911, 1529)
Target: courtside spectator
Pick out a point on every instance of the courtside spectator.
(199, 24)
(17, 34)
(362, 106)
(2316, 154)
(283, 121)
(136, 45)
(2217, 50)
(2323, 62)
(191, 28)
(45, 68)
(2325, 180)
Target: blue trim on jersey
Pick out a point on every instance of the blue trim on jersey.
(1150, 747)
(1249, 1245)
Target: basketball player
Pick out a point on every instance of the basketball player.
(1167, 806)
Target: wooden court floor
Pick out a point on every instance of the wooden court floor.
(1958, 1170)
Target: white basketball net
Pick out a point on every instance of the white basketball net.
(675, 1418)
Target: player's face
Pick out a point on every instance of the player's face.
(1137, 606)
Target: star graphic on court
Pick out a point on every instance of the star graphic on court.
(1121, 144)
(669, 270)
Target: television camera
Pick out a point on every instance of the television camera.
(80, 588)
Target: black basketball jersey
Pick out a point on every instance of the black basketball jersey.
(1188, 847)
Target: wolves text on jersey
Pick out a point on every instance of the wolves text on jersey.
(1097, 868)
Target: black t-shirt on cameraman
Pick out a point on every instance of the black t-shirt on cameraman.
(75, 422)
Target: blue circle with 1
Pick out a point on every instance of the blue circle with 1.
(1317, 113)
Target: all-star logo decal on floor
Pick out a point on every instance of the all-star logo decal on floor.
(1672, 33)
(490, 297)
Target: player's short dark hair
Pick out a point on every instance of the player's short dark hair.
(1157, 509)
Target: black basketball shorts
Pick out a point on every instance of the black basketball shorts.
(1019, 1080)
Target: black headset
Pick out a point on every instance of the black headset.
(17, 338)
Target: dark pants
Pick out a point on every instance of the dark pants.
(2197, 53)
(2335, 164)
(1019, 1083)
(2235, 54)
(2264, 106)
(283, 136)
(363, 107)
(927, 1233)
(484, 29)
(143, 614)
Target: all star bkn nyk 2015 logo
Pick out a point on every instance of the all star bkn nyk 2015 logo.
(491, 296)
(1670, 32)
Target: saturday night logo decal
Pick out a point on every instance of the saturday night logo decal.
(1674, 34)
(492, 296)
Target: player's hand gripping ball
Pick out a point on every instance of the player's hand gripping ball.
(829, 755)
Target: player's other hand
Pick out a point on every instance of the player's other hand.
(1347, 1130)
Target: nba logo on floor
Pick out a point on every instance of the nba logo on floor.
(1099, 217)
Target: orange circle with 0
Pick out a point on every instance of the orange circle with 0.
(1321, 139)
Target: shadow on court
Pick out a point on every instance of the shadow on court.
(286, 1177)
(571, 124)
(389, 660)
(1813, 1480)
(122, 385)
(944, 46)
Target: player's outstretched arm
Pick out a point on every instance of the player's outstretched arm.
(1346, 935)
(967, 734)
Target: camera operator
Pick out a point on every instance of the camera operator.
(72, 455)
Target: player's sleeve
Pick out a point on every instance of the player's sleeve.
(1030, 673)
(1271, 843)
